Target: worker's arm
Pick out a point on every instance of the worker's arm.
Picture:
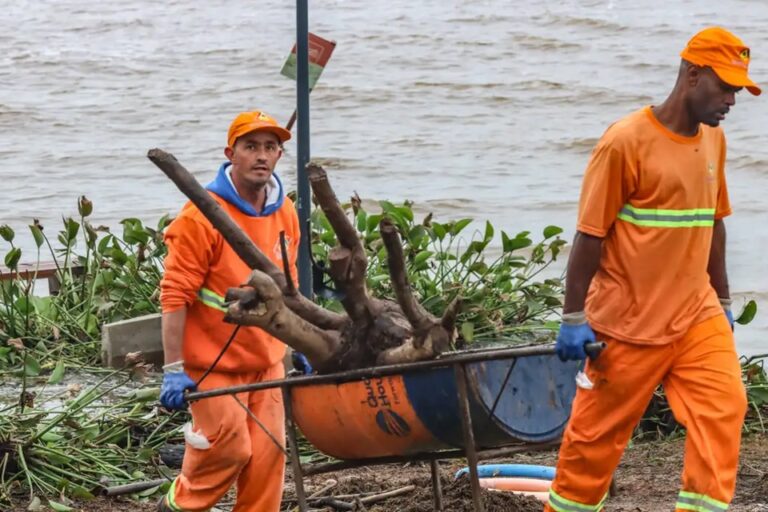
(716, 269)
(582, 265)
(575, 332)
(173, 334)
(718, 276)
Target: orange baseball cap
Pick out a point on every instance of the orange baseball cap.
(725, 53)
(247, 122)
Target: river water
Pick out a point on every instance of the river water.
(483, 108)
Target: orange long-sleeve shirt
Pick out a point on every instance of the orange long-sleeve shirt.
(199, 269)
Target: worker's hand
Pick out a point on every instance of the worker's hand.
(726, 303)
(175, 383)
(574, 333)
(301, 363)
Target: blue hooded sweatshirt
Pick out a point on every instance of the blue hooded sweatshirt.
(223, 187)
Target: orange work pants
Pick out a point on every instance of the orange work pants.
(239, 450)
(702, 380)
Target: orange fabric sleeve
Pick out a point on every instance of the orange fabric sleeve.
(723, 208)
(608, 183)
(191, 248)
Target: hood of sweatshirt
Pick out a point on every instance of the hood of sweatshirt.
(223, 187)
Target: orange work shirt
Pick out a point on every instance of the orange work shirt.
(199, 269)
(653, 196)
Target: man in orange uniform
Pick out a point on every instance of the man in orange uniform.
(224, 445)
(645, 273)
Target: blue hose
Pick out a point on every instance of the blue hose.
(512, 470)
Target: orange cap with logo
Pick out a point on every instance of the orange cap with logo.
(247, 122)
(725, 53)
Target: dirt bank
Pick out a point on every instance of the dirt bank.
(648, 481)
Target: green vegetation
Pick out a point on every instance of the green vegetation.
(62, 440)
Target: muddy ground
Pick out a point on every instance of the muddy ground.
(647, 481)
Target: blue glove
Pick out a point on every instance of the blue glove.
(175, 382)
(301, 363)
(726, 303)
(574, 333)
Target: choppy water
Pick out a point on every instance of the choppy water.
(480, 108)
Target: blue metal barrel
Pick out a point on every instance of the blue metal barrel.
(418, 411)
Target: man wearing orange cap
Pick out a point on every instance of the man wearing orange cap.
(647, 275)
(224, 445)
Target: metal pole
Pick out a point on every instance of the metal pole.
(293, 445)
(437, 489)
(469, 436)
(302, 140)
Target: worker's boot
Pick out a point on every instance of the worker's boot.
(162, 506)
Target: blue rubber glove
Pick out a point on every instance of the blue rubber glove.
(726, 303)
(175, 382)
(574, 333)
(301, 363)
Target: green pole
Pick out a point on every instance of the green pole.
(302, 140)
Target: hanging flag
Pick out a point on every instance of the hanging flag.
(319, 52)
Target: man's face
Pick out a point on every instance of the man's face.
(254, 157)
(711, 98)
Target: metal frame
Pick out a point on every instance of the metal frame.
(458, 362)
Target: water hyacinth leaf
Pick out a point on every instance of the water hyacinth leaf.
(57, 375)
(37, 234)
(59, 507)
(7, 233)
(31, 366)
(23, 306)
(71, 228)
(439, 230)
(459, 226)
(422, 257)
(748, 313)
(488, 232)
(362, 221)
(551, 231)
(12, 258)
(519, 242)
(468, 331)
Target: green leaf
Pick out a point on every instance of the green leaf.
(422, 257)
(551, 231)
(459, 226)
(362, 219)
(7, 233)
(37, 234)
(31, 366)
(468, 331)
(373, 222)
(439, 230)
(59, 507)
(58, 373)
(12, 258)
(488, 232)
(512, 244)
(748, 313)
(71, 227)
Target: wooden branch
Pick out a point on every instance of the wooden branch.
(449, 316)
(240, 243)
(326, 198)
(348, 265)
(291, 288)
(261, 304)
(412, 310)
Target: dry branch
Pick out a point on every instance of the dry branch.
(240, 243)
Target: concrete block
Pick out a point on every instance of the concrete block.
(141, 334)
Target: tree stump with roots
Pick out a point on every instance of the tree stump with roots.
(374, 331)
